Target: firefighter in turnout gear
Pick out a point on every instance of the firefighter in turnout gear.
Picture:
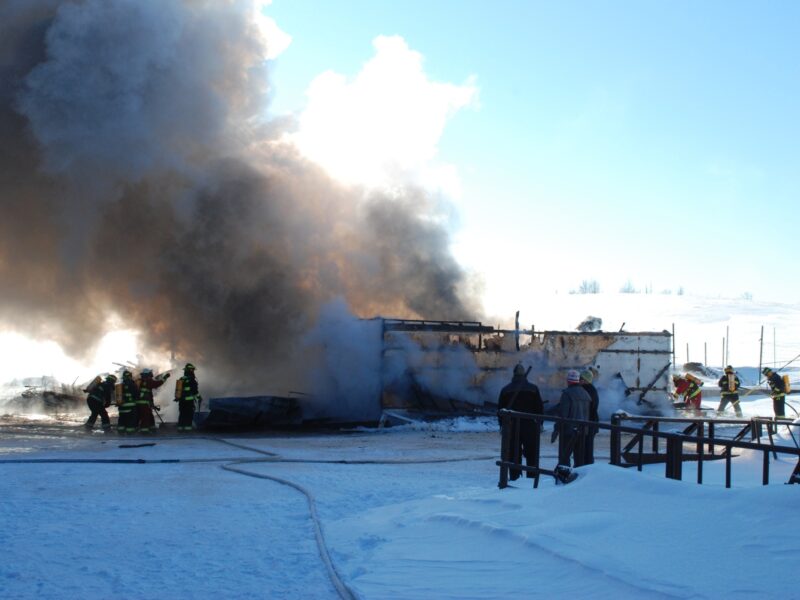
(145, 404)
(186, 393)
(777, 391)
(688, 387)
(99, 398)
(729, 385)
(128, 415)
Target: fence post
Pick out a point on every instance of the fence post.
(504, 445)
(728, 465)
(765, 469)
(700, 449)
(616, 441)
(674, 457)
(537, 443)
(711, 437)
(655, 438)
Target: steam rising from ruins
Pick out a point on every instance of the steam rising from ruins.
(140, 178)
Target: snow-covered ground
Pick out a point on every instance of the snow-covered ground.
(409, 512)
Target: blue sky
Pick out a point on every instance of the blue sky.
(654, 142)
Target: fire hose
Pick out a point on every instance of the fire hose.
(344, 592)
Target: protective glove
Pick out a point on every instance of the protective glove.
(156, 407)
(554, 436)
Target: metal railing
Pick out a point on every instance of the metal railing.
(700, 434)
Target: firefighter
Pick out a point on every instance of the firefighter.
(687, 387)
(777, 392)
(99, 398)
(729, 385)
(185, 395)
(145, 404)
(128, 415)
(523, 396)
(575, 404)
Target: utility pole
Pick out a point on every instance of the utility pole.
(760, 354)
(687, 352)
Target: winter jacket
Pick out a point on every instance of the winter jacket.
(575, 403)
(777, 386)
(723, 385)
(103, 392)
(130, 391)
(521, 395)
(146, 387)
(188, 388)
(595, 401)
(687, 388)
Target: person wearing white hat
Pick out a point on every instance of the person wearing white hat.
(575, 404)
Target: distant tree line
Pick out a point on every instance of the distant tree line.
(592, 286)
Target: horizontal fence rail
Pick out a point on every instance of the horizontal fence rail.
(700, 434)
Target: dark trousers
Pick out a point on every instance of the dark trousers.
(128, 418)
(185, 413)
(146, 420)
(571, 446)
(97, 409)
(588, 448)
(779, 406)
(526, 447)
(734, 401)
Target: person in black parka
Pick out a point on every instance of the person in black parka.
(587, 379)
(523, 396)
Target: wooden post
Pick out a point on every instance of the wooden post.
(727, 346)
(616, 441)
(673, 345)
(723, 353)
(505, 443)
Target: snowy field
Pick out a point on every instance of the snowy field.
(410, 512)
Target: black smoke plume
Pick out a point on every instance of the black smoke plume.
(140, 177)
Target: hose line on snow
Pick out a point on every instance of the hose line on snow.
(341, 588)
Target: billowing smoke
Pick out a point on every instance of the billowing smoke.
(140, 177)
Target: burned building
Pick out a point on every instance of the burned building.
(460, 366)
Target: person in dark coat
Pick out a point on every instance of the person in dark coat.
(777, 391)
(729, 385)
(575, 404)
(99, 398)
(587, 383)
(523, 396)
(186, 393)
